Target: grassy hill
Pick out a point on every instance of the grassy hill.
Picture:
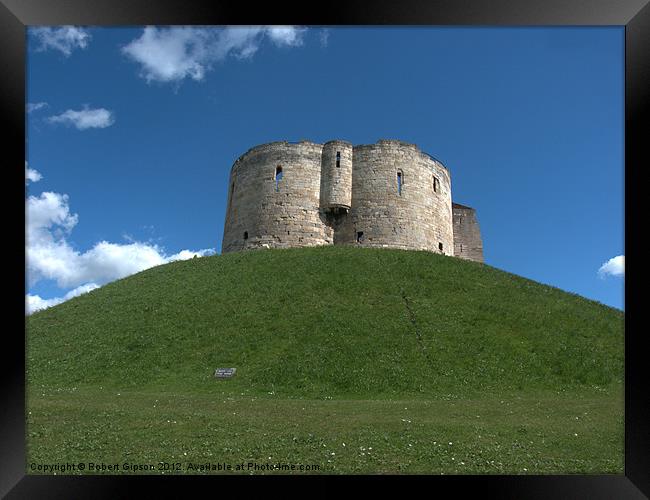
(346, 335)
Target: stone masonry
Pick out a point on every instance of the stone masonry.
(389, 194)
(467, 235)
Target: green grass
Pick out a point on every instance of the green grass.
(351, 335)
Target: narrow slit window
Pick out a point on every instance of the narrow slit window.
(359, 236)
(436, 184)
(338, 159)
(400, 182)
(440, 246)
(245, 235)
(278, 177)
(232, 191)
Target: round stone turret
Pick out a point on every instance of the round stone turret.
(336, 176)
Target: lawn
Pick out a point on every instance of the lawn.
(172, 433)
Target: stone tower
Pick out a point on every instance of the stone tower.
(389, 194)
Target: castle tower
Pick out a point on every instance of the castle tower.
(274, 198)
(387, 195)
(336, 176)
(467, 235)
(401, 198)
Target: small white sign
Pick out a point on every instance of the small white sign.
(224, 372)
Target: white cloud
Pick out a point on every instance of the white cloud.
(85, 118)
(613, 267)
(240, 42)
(189, 254)
(32, 175)
(64, 39)
(35, 106)
(35, 303)
(289, 36)
(173, 54)
(169, 54)
(47, 210)
(50, 256)
(324, 37)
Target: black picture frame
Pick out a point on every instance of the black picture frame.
(16, 15)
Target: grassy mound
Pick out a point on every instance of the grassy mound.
(349, 360)
(327, 322)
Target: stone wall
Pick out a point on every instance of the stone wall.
(417, 218)
(467, 235)
(389, 194)
(265, 212)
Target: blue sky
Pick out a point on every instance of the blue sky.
(133, 131)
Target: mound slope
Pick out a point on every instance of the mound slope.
(328, 322)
